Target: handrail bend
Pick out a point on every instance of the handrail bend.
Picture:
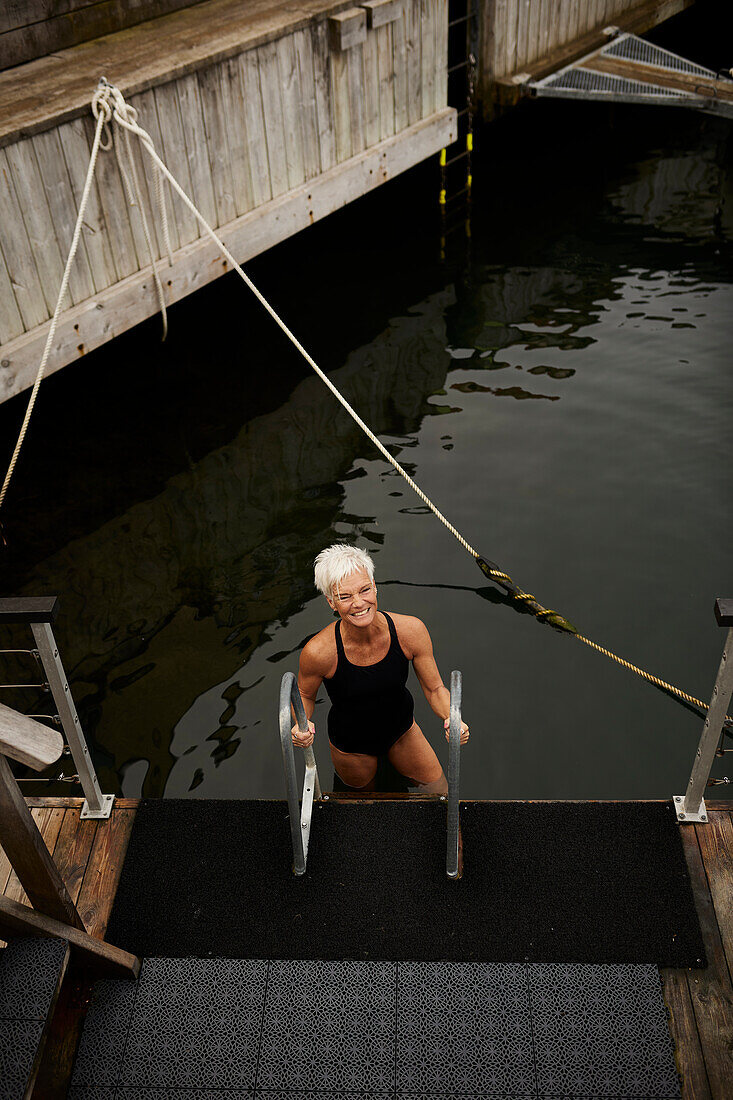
(300, 813)
(454, 770)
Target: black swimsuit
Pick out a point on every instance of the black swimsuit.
(370, 706)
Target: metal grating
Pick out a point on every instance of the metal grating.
(629, 47)
(323, 1030)
(576, 82)
(585, 80)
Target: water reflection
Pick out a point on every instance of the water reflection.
(182, 609)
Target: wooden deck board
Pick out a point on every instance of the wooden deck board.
(40, 93)
(700, 1002)
(90, 855)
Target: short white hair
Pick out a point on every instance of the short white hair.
(334, 564)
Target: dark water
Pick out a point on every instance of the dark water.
(560, 387)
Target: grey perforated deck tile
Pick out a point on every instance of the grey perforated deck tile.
(29, 973)
(310, 1030)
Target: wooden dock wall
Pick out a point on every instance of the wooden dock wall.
(518, 36)
(35, 28)
(266, 140)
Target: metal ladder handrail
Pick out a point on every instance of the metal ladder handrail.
(454, 769)
(39, 613)
(690, 808)
(300, 812)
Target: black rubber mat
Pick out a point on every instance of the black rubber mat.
(545, 882)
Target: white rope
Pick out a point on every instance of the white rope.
(102, 113)
(134, 197)
(127, 118)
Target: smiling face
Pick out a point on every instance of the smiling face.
(355, 599)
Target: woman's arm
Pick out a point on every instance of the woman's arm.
(310, 678)
(426, 670)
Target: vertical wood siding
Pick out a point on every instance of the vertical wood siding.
(235, 134)
(519, 32)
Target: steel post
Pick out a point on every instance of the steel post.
(454, 768)
(96, 804)
(692, 808)
(291, 782)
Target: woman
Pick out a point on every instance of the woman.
(363, 659)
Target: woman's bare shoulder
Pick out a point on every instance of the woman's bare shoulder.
(318, 655)
(411, 631)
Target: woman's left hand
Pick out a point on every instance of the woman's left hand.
(464, 731)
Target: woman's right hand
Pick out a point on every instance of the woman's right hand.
(303, 740)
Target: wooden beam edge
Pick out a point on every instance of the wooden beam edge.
(17, 919)
(91, 323)
(201, 55)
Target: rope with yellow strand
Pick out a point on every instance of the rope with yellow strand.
(544, 614)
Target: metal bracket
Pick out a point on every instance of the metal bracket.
(687, 817)
(103, 812)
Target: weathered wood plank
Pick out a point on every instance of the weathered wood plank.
(63, 210)
(509, 62)
(347, 29)
(96, 236)
(17, 250)
(58, 88)
(113, 311)
(716, 846)
(386, 81)
(399, 56)
(71, 852)
(115, 208)
(217, 144)
(290, 90)
(145, 105)
(341, 109)
(37, 219)
(31, 742)
(372, 89)
(20, 920)
(232, 106)
(70, 22)
(194, 133)
(355, 62)
(710, 989)
(255, 128)
(324, 95)
(175, 154)
(381, 12)
(31, 860)
(427, 34)
(686, 82)
(272, 109)
(683, 1028)
(441, 70)
(102, 875)
(414, 61)
(498, 56)
(307, 107)
(522, 33)
(46, 821)
(11, 322)
(73, 802)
